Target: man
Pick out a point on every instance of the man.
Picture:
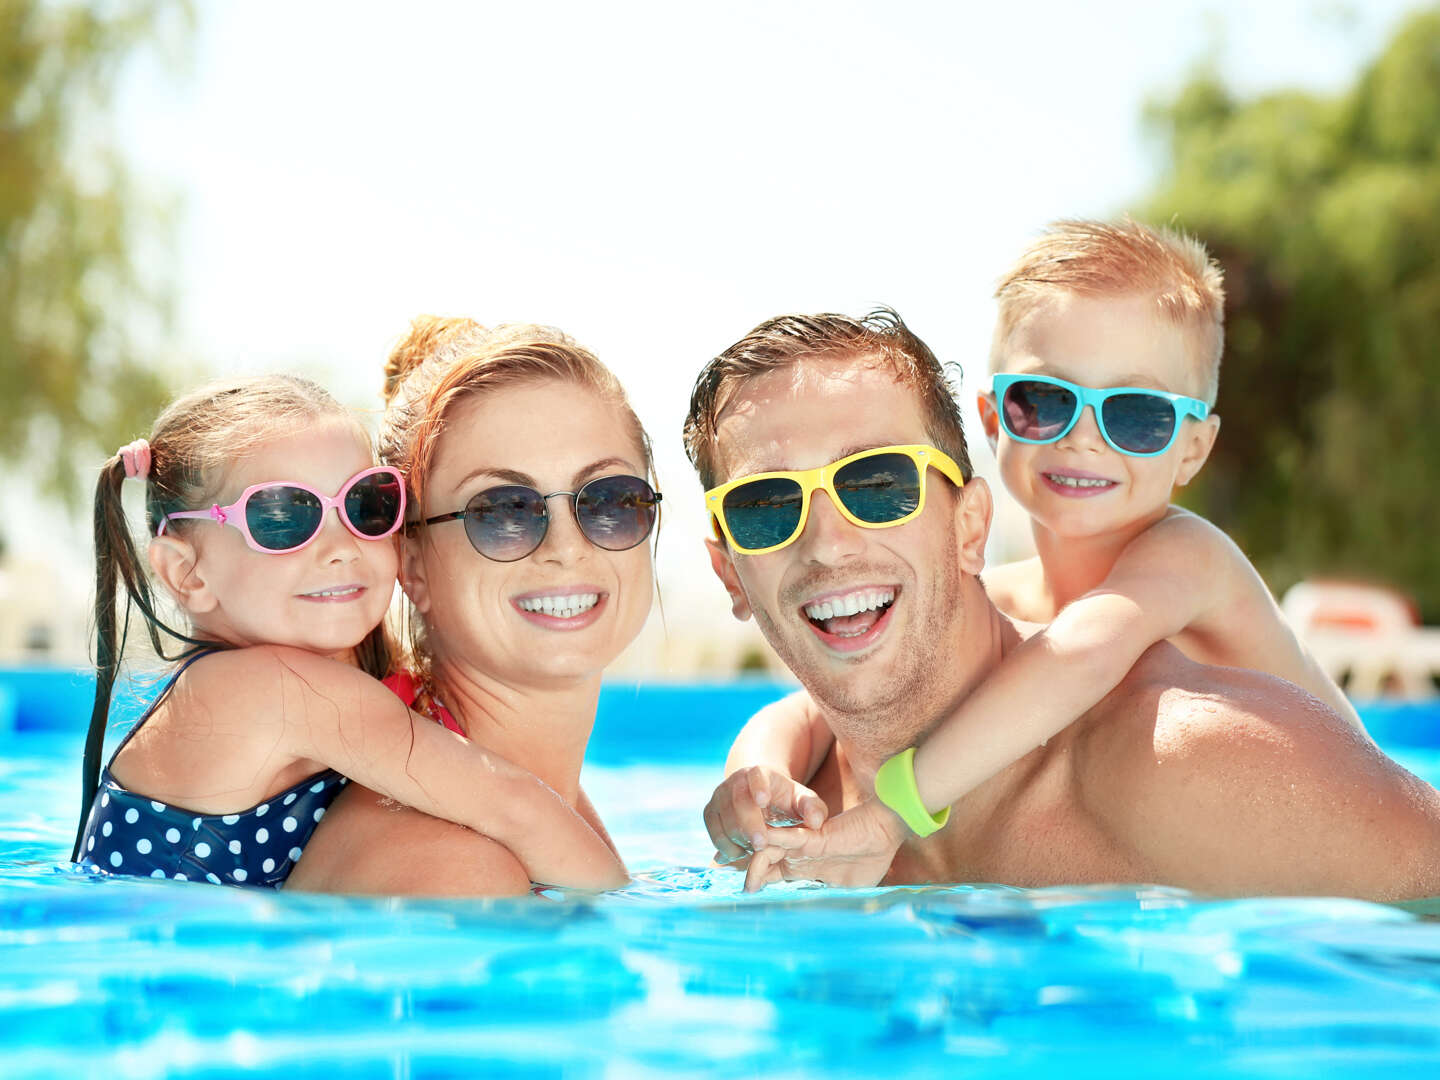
(1215, 779)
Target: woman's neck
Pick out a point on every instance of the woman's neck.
(543, 729)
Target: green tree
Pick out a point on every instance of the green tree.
(71, 297)
(1325, 213)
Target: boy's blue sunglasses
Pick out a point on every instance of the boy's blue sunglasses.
(1132, 419)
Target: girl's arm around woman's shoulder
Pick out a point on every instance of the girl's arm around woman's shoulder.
(317, 709)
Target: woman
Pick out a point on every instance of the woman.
(527, 572)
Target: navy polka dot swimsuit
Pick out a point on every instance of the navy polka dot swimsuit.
(135, 835)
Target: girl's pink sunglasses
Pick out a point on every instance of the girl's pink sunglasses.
(281, 517)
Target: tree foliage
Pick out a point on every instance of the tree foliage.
(72, 385)
(1325, 213)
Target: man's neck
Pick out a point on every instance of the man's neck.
(962, 660)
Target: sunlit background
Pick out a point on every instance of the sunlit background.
(278, 187)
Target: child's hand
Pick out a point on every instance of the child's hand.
(853, 850)
(752, 805)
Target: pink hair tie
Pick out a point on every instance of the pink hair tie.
(136, 457)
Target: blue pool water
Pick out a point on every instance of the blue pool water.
(680, 974)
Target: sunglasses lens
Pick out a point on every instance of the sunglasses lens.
(616, 512)
(1036, 410)
(763, 513)
(282, 517)
(879, 489)
(372, 505)
(506, 523)
(1139, 423)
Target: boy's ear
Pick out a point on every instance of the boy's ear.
(989, 418)
(1197, 445)
(414, 579)
(973, 511)
(724, 567)
(176, 563)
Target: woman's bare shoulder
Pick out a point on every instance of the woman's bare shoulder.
(371, 845)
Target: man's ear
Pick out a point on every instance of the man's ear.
(724, 567)
(175, 562)
(973, 511)
(1196, 446)
(989, 418)
(414, 578)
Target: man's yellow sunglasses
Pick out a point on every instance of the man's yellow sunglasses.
(873, 489)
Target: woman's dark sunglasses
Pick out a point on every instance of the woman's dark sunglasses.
(508, 523)
(1134, 420)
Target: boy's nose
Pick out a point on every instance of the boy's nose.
(1085, 435)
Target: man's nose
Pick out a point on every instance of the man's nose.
(829, 537)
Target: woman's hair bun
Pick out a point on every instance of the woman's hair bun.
(430, 336)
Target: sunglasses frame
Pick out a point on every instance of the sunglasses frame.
(1094, 398)
(234, 514)
(465, 512)
(823, 479)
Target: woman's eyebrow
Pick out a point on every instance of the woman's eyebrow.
(603, 465)
(513, 476)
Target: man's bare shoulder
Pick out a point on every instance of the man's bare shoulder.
(1234, 781)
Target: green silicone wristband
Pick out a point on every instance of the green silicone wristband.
(895, 787)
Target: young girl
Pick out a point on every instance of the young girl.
(276, 702)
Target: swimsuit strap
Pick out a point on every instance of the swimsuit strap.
(161, 696)
(415, 695)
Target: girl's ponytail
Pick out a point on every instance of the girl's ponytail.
(116, 562)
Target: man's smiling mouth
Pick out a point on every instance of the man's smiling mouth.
(850, 614)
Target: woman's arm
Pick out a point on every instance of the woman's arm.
(341, 718)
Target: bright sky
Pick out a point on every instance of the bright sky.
(657, 178)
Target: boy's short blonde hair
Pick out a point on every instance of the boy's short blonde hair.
(1095, 258)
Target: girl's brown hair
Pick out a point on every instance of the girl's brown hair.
(191, 444)
(443, 361)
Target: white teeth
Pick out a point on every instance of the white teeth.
(1077, 481)
(560, 607)
(850, 604)
(349, 590)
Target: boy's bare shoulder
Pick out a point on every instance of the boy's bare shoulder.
(1187, 539)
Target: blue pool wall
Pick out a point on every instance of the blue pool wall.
(637, 721)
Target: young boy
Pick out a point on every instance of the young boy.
(1105, 364)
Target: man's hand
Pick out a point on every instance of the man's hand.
(853, 850)
(752, 806)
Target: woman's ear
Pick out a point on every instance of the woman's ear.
(724, 567)
(1196, 447)
(176, 563)
(989, 418)
(414, 578)
(972, 524)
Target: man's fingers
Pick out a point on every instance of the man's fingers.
(765, 869)
(724, 833)
(759, 781)
(813, 811)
